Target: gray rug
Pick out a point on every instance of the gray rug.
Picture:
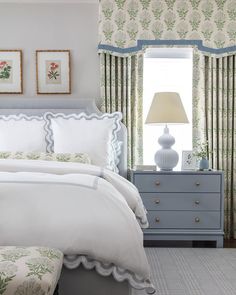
(192, 271)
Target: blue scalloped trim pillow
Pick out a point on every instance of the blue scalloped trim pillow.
(95, 135)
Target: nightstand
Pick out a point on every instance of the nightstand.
(182, 205)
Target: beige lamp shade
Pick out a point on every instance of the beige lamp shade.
(166, 108)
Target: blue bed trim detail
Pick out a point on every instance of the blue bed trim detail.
(19, 117)
(143, 43)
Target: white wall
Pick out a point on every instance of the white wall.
(54, 26)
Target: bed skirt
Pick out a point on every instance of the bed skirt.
(83, 282)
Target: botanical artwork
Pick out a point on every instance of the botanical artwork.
(188, 160)
(11, 71)
(53, 71)
(6, 71)
(123, 22)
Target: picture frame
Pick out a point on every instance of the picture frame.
(11, 77)
(189, 161)
(53, 72)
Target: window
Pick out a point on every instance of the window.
(167, 70)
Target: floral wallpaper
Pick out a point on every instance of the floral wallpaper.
(123, 22)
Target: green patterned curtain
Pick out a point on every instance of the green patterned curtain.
(121, 90)
(199, 132)
(220, 125)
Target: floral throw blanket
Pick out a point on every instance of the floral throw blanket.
(29, 270)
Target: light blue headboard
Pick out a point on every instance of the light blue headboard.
(39, 106)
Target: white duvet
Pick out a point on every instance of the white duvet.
(78, 208)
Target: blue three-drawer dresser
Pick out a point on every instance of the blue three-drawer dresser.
(182, 205)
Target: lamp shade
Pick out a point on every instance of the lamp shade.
(166, 108)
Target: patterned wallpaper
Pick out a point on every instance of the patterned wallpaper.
(123, 22)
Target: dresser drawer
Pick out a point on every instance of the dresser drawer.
(183, 220)
(182, 201)
(177, 183)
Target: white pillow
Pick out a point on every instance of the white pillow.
(22, 133)
(95, 135)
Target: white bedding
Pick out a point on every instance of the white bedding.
(78, 208)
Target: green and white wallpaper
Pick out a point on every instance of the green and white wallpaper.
(123, 22)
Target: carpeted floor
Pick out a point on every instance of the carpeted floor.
(192, 271)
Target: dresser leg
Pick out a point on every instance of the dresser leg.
(220, 242)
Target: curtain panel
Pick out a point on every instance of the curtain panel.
(198, 98)
(122, 90)
(220, 127)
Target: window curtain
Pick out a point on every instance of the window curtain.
(214, 120)
(121, 90)
(220, 127)
(199, 132)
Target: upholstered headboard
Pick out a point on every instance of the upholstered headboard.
(63, 105)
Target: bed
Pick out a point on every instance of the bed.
(82, 273)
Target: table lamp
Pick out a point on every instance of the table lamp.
(166, 108)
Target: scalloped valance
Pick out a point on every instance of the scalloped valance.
(128, 26)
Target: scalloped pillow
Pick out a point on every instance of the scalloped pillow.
(95, 135)
(60, 157)
(22, 133)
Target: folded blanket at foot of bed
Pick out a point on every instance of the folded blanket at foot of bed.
(29, 270)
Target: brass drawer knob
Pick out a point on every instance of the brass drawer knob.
(197, 183)
(157, 201)
(157, 219)
(197, 202)
(197, 219)
(157, 182)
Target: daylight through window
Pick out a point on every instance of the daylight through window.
(167, 70)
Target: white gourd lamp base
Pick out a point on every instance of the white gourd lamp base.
(166, 158)
(166, 108)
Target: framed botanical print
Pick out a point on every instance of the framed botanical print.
(11, 72)
(53, 71)
(189, 161)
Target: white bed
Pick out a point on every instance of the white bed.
(102, 278)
